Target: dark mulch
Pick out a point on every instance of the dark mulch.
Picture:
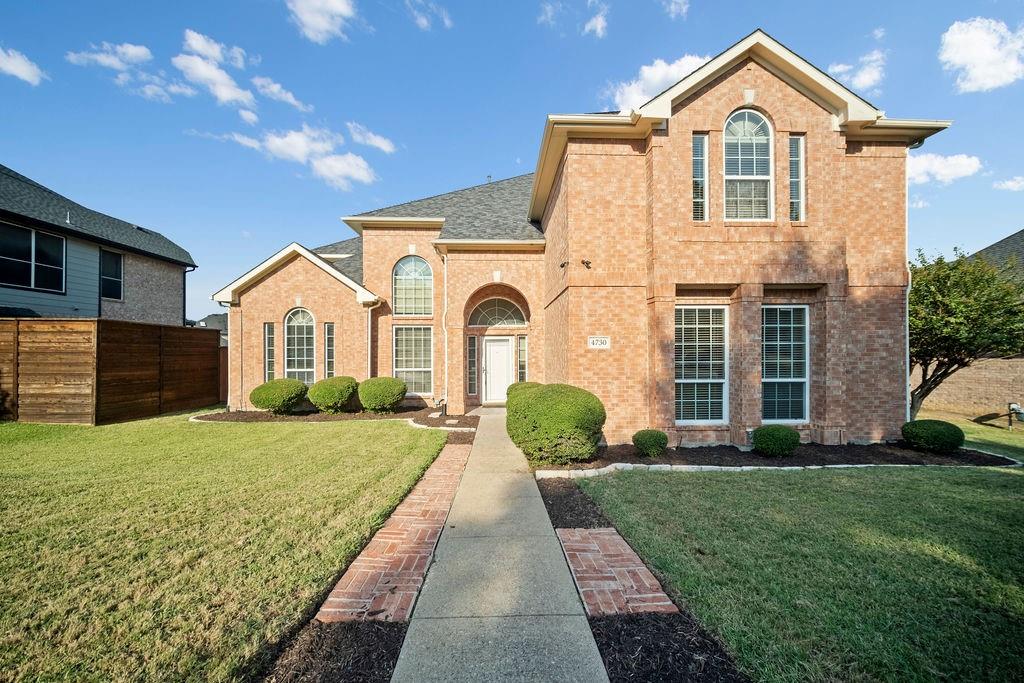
(460, 438)
(570, 508)
(347, 651)
(418, 414)
(806, 454)
(661, 647)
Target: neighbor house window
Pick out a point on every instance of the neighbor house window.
(523, 357)
(497, 313)
(784, 361)
(701, 364)
(111, 274)
(413, 287)
(748, 167)
(414, 358)
(700, 177)
(300, 346)
(29, 258)
(471, 366)
(797, 189)
(328, 349)
(268, 351)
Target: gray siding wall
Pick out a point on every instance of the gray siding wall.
(82, 284)
(152, 292)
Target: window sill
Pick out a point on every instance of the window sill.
(790, 423)
(752, 223)
(701, 425)
(107, 298)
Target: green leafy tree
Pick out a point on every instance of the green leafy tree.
(961, 309)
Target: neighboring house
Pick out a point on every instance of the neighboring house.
(60, 259)
(215, 321)
(730, 254)
(988, 385)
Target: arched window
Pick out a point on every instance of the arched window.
(748, 167)
(299, 345)
(413, 287)
(497, 313)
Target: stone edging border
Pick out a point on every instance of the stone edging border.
(407, 420)
(626, 466)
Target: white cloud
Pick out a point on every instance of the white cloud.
(339, 170)
(549, 12)
(244, 140)
(867, 75)
(676, 8)
(878, 33)
(597, 24)
(364, 136)
(14, 63)
(177, 88)
(210, 49)
(207, 74)
(321, 20)
(301, 145)
(118, 57)
(275, 91)
(152, 91)
(249, 117)
(1014, 184)
(919, 203)
(984, 53)
(924, 168)
(423, 14)
(652, 79)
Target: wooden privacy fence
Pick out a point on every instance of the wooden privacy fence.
(91, 371)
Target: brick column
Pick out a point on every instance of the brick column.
(828, 366)
(661, 326)
(744, 361)
(456, 366)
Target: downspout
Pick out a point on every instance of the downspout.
(369, 338)
(184, 312)
(444, 327)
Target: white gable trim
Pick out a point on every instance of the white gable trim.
(357, 223)
(230, 293)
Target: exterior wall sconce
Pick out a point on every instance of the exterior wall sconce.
(586, 264)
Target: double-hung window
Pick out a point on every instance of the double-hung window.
(111, 275)
(414, 358)
(300, 346)
(701, 365)
(268, 351)
(784, 363)
(748, 167)
(700, 177)
(32, 259)
(797, 184)
(328, 349)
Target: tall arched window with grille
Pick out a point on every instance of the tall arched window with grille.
(748, 167)
(300, 345)
(413, 290)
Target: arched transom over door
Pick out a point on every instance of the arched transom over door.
(497, 313)
(501, 349)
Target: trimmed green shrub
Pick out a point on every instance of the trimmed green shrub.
(279, 396)
(381, 394)
(651, 442)
(936, 436)
(554, 424)
(334, 394)
(775, 440)
(512, 388)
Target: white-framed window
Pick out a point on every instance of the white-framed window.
(497, 313)
(523, 357)
(797, 178)
(748, 167)
(702, 365)
(700, 176)
(268, 352)
(414, 358)
(300, 346)
(111, 275)
(31, 259)
(413, 288)
(785, 365)
(328, 349)
(471, 365)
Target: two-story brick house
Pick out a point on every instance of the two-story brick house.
(731, 253)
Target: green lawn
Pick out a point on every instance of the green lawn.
(874, 574)
(990, 436)
(165, 549)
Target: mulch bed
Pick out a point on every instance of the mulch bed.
(806, 454)
(342, 651)
(417, 414)
(661, 647)
(570, 508)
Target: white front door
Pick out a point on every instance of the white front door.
(497, 366)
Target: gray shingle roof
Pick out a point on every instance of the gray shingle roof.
(1002, 251)
(351, 267)
(25, 197)
(493, 211)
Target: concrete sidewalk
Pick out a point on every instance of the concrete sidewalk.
(499, 602)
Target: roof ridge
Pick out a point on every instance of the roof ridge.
(444, 194)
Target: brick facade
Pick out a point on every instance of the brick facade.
(984, 388)
(153, 291)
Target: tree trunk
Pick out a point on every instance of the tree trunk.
(929, 383)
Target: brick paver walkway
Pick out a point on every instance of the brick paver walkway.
(383, 582)
(609, 576)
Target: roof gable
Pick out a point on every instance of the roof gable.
(345, 256)
(1002, 252)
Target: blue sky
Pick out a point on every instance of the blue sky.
(139, 109)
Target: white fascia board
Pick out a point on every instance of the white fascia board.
(358, 222)
(445, 245)
(229, 294)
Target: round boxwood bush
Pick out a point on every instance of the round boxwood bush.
(937, 436)
(555, 423)
(334, 394)
(775, 440)
(651, 442)
(381, 394)
(279, 396)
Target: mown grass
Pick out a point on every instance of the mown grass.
(165, 549)
(874, 574)
(990, 436)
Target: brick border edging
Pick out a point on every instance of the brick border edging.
(408, 420)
